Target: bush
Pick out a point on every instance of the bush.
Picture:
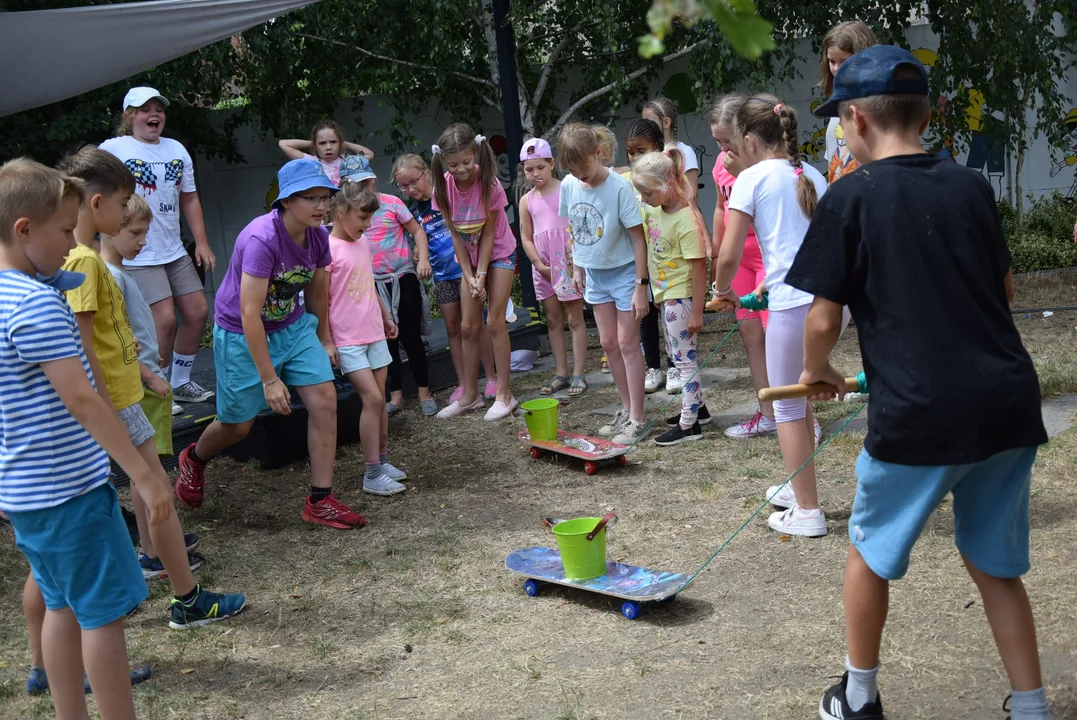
(1044, 241)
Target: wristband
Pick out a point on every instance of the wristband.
(724, 292)
(481, 273)
(265, 386)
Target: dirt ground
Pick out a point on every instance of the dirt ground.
(415, 616)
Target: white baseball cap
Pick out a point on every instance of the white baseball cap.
(138, 96)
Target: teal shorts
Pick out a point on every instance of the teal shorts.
(82, 558)
(893, 503)
(297, 356)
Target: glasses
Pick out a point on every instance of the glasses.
(316, 200)
(410, 185)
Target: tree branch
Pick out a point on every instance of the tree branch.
(398, 61)
(540, 88)
(607, 88)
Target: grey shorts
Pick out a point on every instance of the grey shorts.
(447, 292)
(137, 424)
(173, 279)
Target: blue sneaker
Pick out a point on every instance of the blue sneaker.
(206, 607)
(393, 472)
(38, 682)
(154, 569)
(191, 541)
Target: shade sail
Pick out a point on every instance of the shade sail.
(50, 55)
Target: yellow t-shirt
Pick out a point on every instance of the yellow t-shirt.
(113, 341)
(672, 240)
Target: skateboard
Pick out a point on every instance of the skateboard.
(638, 587)
(593, 451)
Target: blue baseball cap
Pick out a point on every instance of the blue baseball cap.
(871, 72)
(63, 280)
(299, 175)
(356, 168)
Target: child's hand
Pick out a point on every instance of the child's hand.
(829, 376)
(331, 351)
(391, 330)
(641, 305)
(278, 398)
(544, 271)
(423, 269)
(477, 288)
(579, 281)
(204, 257)
(695, 320)
(733, 164)
(158, 499)
(726, 298)
(158, 386)
(760, 291)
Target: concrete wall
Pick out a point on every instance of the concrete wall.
(233, 194)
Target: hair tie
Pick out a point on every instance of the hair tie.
(480, 139)
(798, 171)
(778, 109)
(435, 150)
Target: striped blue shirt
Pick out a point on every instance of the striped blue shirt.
(46, 457)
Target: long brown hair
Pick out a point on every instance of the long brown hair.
(725, 109)
(775, 125)
(325, 125)
(665, 110)
(851, 37)
(458, 138)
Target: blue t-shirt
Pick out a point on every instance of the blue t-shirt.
(46, 457)
(442, 254)
(599, 219)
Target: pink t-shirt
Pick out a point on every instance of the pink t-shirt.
(332, 168)
(469, 217)
(388, 247)
(723, 180)
(354, 309)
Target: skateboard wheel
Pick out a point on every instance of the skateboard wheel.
(590, 467)
(532, 588)
(535, 453)
(630, 609)
(621, 461)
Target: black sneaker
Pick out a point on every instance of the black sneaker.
(154, 569)
(131, 523)
(833, 706)
(703, 417)
(676, 434)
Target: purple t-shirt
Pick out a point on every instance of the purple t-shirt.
(264, 249)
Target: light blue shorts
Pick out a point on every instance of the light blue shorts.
(297, 356)
(82, 558)
(508, 263)
(615, 285)
(893, 503)
(373, 355)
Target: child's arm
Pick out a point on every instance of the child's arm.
(422, 248)
(693, 186)
(729, 255)
(294, 149)
(641, 305)
(699, 294)
(391, 330)
(85, 321)
(316, 297)
(353, 148)
(196, 221)
(153, 381)
(99, 419)
(1008, 281)
(822, 328)
(718, 223)
(252, 296)
(527, 239)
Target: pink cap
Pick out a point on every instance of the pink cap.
(534, 149)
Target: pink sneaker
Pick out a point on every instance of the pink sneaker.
(499, 410)
(490, 391)
(457, 394)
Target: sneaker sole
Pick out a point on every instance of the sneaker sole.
(678, 441)
(751, 436)
(799, 532)
(330, 523)
(383, 493)
(202, 623)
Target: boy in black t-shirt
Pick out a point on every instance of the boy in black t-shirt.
(912, 243)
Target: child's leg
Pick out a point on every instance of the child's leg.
(555, 322)
(218, 437)
(373, 397)
(104, 652)
(683, 356)
(649, 332)
(473, 329)
(321, 403)
(383, 423)
(578, 326)
(486, 350)
(498, 288)
(450, 312)
(867, 600)
(632, 359)
(411, 333)
(33, 609)
(62, 644)
(607, 319)
(754, 339)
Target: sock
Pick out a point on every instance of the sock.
(192, 454)
(181, 369)
(383, 457)
(189, 597)
(373, 470)
(862, 687)
(1029, 705)
(318, 494)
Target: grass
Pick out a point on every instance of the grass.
(416, 617)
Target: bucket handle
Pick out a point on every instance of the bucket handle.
(601, 524)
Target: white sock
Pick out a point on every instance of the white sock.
(1030, 705)
(862, 687)
(181, 369)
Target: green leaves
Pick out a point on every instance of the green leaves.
(748, 33)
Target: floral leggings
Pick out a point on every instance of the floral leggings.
(681, 351)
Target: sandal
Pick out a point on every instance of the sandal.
(605, 365)
(578, 387)
(559, 382)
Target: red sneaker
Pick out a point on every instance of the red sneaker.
(191, 485)
(332, 513)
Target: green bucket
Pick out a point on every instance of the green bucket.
(540, 415)
(583, 558)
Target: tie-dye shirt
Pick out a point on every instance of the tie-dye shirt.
(389, 247)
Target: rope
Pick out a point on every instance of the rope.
(767, 501)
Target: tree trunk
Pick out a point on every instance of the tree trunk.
(1019, 200)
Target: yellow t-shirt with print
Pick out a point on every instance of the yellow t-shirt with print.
(113, 341)
(672, 240)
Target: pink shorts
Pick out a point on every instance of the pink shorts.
(552, 246)
(749, 276)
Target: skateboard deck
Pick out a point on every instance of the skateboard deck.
(591, 450)
(636, 586)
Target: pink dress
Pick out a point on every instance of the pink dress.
(553, 242)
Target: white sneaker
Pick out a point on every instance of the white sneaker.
(176, 409)
(856, 397)
(619, 418)
(674, 381)
(392, 472)
(758, 426)
(794, 521)
(652, 381)
(818, 432)
(382, 485)
(782, 496)
(630, 432)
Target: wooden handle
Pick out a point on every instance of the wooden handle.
(788, 392)
(719, 305)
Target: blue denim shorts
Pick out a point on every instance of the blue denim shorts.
(373, 355)
(615, 285)
(893, 503)
(508, 263)
(297, 356)
(82, 558)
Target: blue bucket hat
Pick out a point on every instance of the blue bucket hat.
(299, 175)
(356, 168)
(871, 72)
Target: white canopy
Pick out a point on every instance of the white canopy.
(50, 55)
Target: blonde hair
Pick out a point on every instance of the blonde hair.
(665, 110)
(664, 172)
(458, 138)
(607, 145)
(411, 160)
(577, 143)
(775, 125)
(137, 209)
(353, 196)
(725, 109)
(30, 190)
(127, 122)
(851, 37)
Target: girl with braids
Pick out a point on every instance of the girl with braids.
(777, 194)
(472, 202)
(842, 42)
